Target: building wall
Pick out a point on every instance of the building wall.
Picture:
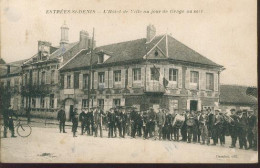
(145, 92)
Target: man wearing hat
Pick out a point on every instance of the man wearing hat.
(111, 122)
(75, 121)
(133, 120)
(82, 119)
(242, 129)
(61, 117)
(233, 128)
(217, 128)
(124, 121)
(203, 120)
(251, 128)
(151, 122)
(184, 126)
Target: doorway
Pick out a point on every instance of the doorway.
(69, 105)
(193, 105)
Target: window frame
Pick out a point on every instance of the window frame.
(52, 76)
(171, 75)
(102, 104)
(137, 76)
(117, 76)
(68, 81)
(84, 103)
(85, 81)
(52, 101)
(152, 77)
(100, 74)
(115, 102)
(208, 85)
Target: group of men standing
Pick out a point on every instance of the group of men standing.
(194, 126)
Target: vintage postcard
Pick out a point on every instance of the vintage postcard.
(116, 81)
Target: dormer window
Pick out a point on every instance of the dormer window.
(100, 59)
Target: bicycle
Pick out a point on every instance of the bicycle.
(23, 130)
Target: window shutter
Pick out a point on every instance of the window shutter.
(106, 79)
(215, 82)
(55, 103)
(166, 73)
(130, 77)
(56, 76)
(148, 74)
(202, 81)
(143, 76)
(72, 81)
(48, 77)
(38, 102)
(40, 77)
(123, 78)
(95, 80)
(188, 104)
(111, 79)
(187, 79)
(161, 75)
(122, 102)
(180, 77)
(47, 102)
(199, 105)
(80, 81)
(65, 82)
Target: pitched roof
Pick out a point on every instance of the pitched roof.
(56, 52)
(15, 67)
(137, 49)
(235, 94)
(2, 61)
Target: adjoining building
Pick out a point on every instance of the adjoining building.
(238, 97)
(156, 71)
(40, 76)
(10, 80)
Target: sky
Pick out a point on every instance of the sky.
(223, 31)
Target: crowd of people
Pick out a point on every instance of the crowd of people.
(194, 126)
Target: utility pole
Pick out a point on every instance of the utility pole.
(90, 71)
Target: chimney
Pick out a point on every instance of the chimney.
(64, 34)
(83, 40)
(151, 32)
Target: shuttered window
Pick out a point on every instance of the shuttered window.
(69, 81)
(117, 76)
(137, 74)
(209, 81)
(101, 77)
(84, 103)
(76, 80)
(155, 74)
(43, 80)
(52, 101)
(52, 77)
(173, 74)
(62, 81)
(116, 102)
(101, 103)
(194, 77)
(85, 81)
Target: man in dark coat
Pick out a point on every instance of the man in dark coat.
(8, 121)
(124, 121)
(190, 125)
(82, 119)
(145, 120)
(75, 121)
(218, 128)
(61, 117)
(242, 129)
(251, 128)
(151, 122)
(111, 122)
(134, 123)
(168, 125)
(233, 128)
(184, 127)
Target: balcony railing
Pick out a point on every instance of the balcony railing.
(154, 87)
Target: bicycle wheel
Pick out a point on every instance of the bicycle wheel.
(24, 130)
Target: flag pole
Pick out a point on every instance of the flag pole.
(90, 72)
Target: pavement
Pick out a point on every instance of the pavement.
(47, 145)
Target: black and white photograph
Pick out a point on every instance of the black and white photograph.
(115, 81)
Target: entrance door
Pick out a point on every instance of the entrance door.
(193, 105)
(69, 105)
